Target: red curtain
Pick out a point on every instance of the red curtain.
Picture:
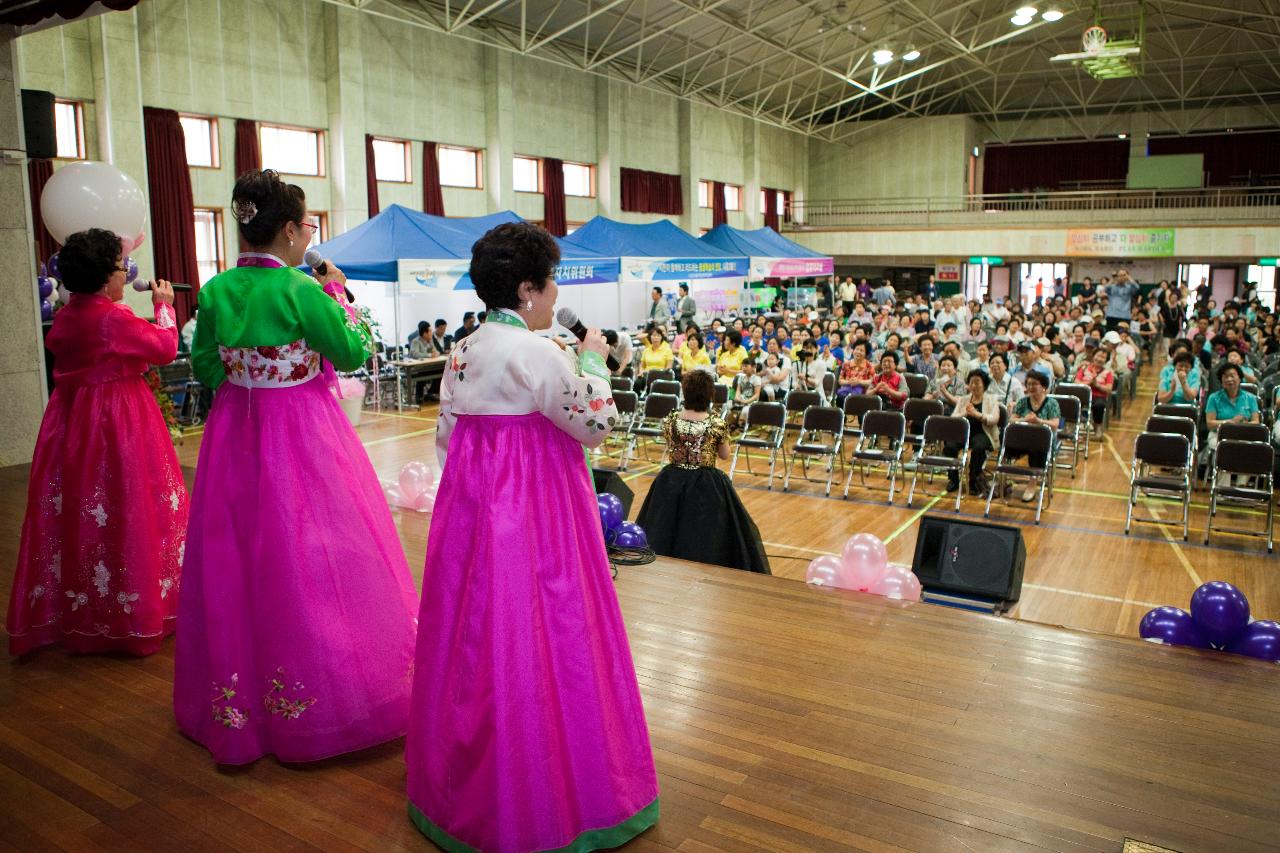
(432, 198)
(38, 174)
(370, 176)
(651, 192)
(1229, 158)
(173, 225)
(719, 216)
(786, 205)
(248, 154)
(771, 208)
(1047, 166)
(553, 196)
(32, 13)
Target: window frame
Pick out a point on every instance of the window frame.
(706, 194)
(322, 219)
(407, 147)
(78, 106)
(219, 237)
(215, 147)
(591, 179)
(320, 147)
(541, 185)
(741, 192)
(479, 161)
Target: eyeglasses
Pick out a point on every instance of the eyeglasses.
(314, 227)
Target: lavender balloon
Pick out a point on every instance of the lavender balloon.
(630, 535)
(1259, 640)
(1173, 626)
(130, 270)
(1221, 612)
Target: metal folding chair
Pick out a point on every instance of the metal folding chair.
(889, 427)
(821, 436)
(1085, 396)
(665, 386)
(857, 405)
(940, 431)
(648, 425)
(917, 384)
(1020, 438)
(1248, 459)
(1068, 431)
(1163, 462)
(917, 412)
(770, 421)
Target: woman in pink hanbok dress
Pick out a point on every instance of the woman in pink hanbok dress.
(106, 506)
(526, 731)
(297, 614)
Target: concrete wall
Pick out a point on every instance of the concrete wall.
(902, 158)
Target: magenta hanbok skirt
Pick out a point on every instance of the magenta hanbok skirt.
(296, 621)
(527, 731)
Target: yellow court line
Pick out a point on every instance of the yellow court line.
(1094, 595)
(796, 548)
(392, 438)
(372, 413)
(913, 519)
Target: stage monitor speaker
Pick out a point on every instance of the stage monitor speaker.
(37, 124)
(608, 481)
(970, 558)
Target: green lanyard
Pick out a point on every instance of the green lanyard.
(502, 316)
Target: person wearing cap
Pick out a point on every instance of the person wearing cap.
(1028, 360)
(1037, 407)
(1001, 344)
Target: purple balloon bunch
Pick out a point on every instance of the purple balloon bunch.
(46, 284)
(1219, 619)
(619, 532)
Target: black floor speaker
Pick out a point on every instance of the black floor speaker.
(37, 124)
(609, 481)
(970, 558)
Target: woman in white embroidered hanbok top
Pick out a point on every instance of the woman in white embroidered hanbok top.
(526, 729)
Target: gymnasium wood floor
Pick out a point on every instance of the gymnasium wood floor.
(783, 717)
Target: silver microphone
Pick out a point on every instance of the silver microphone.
(143, 286)
(314, 260)
(568, 318)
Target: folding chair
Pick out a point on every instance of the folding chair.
(626, 403)
(891, 427)
(653, 376)
(1068, 430)
(828, 387)
(665, 386)
(797, 403)
(1163, 462)
(1177, 410)
(1243, 432)
(1019, 438)
(648, 425)
(855, 406)
(932, 457)
(620, 383)
(821, 435)
(720, 399)
(771, 420)
(917, 412)
(1242, 459)
(917, 384)
(1085, 396)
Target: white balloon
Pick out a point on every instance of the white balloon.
(89, 194)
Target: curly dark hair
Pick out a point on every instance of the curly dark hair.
(699, 389)
(986, 380)
(267, 203)
(508, 255)
(1226, 367)
(88, 259)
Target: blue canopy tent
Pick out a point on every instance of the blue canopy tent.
(771, 254)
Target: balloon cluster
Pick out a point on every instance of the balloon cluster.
(1219, 619)
(48, 293)
(863, 566)
(618, 532)
(415, 488)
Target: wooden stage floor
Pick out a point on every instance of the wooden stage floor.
(783, 718)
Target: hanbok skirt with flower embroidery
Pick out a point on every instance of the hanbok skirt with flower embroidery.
(527, 730)
(297, 613)
(101, 546)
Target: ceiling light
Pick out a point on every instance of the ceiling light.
(911, 55)
(881, 56)
(1122, 135)
(1026, 11)
(1053, 13)
(1020, 20)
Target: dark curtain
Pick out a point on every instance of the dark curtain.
(173, 226)
(553, 217)
(1241, 159)
(38, 174)
(371, 176)
(771, 208)
(432, 197)
(719, 216)
(651, 192)
(32, 13)
(1047, 166)
(248, 154)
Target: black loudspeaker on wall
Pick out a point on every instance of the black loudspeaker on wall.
(970, 558)
(37, 124)
(609, 481)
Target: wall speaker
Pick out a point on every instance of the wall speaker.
(970, 558)
(37, 124)
(607, 480)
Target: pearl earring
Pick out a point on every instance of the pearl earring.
(290, 242)
(528, 306)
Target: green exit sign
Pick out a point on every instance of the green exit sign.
(1268, 262)
(983, 259)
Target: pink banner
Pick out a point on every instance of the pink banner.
(791, 267)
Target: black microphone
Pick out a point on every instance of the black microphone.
(143, 286)
(314, 260)
(568, 318)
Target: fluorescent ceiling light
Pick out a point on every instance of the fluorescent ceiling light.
(1053, 13)
(1026, 11)
(1020, 20)
(881, 56)
(911, 55)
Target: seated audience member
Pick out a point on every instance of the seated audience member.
(926, 363)
(468, 326)
(1247, 373)
(857, 372)
(692, 354)
(420, 346)
(776, 381)
(441, 340)
(1181, 386)
(746, 385)
(982, 411)
(889, 383)
(947, 385)
(1004, 385)
(1037, 407)
(731, 357)
(656, 355)
(1229, 404)
(1101, 380)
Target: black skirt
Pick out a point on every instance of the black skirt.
(695, 514)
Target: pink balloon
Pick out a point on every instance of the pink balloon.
(864, 557)
(425, 502)
(826, 570)
(897, 583)
(414, 479)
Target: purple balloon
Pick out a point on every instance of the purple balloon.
(53, 267)
(1259, 640)
(630, 535)
(130, 270)
(46, 310)
(1221, 612)
(610, 510)
(1173, 626)
(46, 286)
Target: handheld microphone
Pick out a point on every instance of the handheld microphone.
(144, 286)
(568, 318)
(314, 260)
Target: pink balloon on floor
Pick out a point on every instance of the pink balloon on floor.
(864, 557)
(414, 479)
(826, 570)
(897, 583)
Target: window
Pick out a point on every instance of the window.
(292, 150)
(526, 175)
(704, 193)
(1265, 278)
(321, 231)
(391, 160)
(580, 179)
(732, 195)
(778, 199)
(68, 127)
(459, 167)
(209, 257)
(201, 133)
